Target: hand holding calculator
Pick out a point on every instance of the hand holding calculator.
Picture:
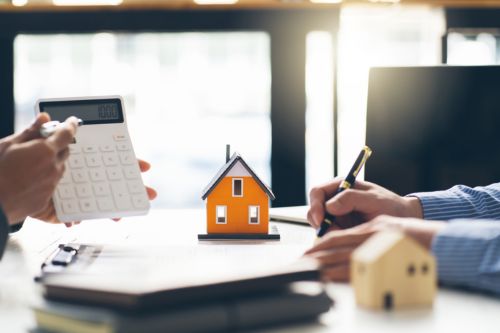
(102, 177)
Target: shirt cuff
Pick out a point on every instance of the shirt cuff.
(442, 205)
(467, 254)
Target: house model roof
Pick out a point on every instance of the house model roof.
(224, 171)
(378, 245)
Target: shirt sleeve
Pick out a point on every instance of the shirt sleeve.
(461, 202)
(468, 254)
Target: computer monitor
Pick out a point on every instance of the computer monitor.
(433, 127)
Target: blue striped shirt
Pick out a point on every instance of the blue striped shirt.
(468, 249)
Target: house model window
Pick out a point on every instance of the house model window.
(253, 215)
(237, 187)
(221, 212)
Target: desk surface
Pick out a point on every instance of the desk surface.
(453, 310)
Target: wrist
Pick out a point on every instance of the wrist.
(413, 207)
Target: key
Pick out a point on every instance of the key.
(93, 160)
(140, 201)
(127, 158)
(107, 148)
(66, 192)
(90, 149)
(101, 189)
(74, 149)
(105, 204)
(120, 194)
(114, 173)
(97, 175)
(66, 178)
(110, 159)
(70, 206)
(135, 187)
(80, 176)
(76, 162)
(131, 172)
(123, 146)
(119, 137)
(84, 191)
(88, 205)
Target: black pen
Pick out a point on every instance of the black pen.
(348, 182)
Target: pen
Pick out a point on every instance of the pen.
(50, 127)
(348, 182)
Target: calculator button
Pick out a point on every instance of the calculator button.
(90, 149)
(93, 160)
(120, 137)
(97, 175)
(76, 162)
(74, 149)
(123, 146)
(80, 176)
(131, 172)
(114, 173)
(110, 159)
(101, 189)
(70, 206)
(66, 192)
(88, 205)
(84, 191)
(135, 187)
(127, 158)
(105, 204)
(120, 194)
(107, 148)
(140, 201)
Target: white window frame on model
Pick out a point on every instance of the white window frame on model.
(250, 214)
(217, 214)
(241, 180)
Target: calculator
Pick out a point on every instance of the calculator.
(102, 178)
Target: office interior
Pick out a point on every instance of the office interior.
(285, 83)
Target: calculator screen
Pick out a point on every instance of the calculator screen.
(99, 111)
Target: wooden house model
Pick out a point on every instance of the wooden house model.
(391, 270)
(237, 203)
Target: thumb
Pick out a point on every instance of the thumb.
(352, 200)
(33, 131)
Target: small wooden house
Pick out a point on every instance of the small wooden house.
(391, 270)
(237, 203)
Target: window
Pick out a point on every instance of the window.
(221, 214)
(253, 215)
(411, 270)
(237, 187)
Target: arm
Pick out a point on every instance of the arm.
(461, 202)
(468, 254)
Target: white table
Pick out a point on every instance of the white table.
(453, 311)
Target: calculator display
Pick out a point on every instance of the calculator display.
(104, 111)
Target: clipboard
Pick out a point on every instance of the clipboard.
(74, 273)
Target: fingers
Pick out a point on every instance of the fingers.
(351, 200)
(152, 194)
(321, 194)
(64, 135)
(340, 273)
(32, 132)
(143, 165)
(342, 238)
(333, 257)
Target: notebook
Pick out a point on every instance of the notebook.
(293, 214)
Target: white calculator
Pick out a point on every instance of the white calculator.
(102, 177)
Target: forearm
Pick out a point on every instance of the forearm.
(461, 202)
(468, 254)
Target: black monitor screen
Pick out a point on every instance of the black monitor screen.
(433, 127)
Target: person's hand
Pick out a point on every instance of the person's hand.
(31, 167)
(360, 204)
(48, 214)
(333, 251)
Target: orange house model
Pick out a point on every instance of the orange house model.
(237, 203)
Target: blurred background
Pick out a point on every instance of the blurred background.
(188, 94)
